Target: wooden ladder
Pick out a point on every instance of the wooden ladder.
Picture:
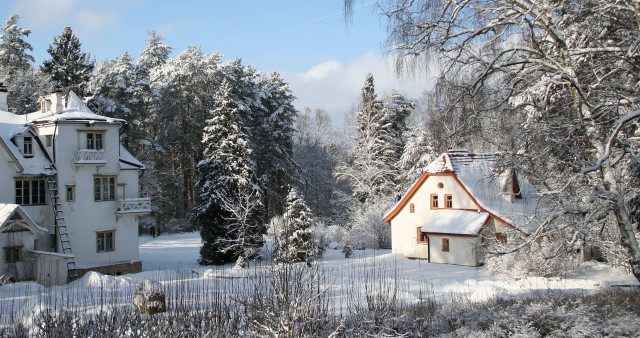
(61, 227)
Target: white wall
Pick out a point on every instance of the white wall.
(85, 216)
(404, 225)
(463, 250)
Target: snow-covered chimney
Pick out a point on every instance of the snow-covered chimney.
(56, 101)
(3, 97)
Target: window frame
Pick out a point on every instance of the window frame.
(99, 190)
(27, 147)
(10, 254)
(101, 241)
(445, 245)
(448, 201)
(93, 140)
(434, 198)
(70, 191)
(28, 192)
(412, 208)
(422, 237)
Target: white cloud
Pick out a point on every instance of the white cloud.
(91, 21)
(321, 71)
(336, 87)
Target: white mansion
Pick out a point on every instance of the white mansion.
(70, 198)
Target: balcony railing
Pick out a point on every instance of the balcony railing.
(134, 206)
(90, 156)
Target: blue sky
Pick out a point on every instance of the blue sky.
(323, 58)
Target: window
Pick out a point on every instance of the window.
(422, 237)
(501, 237)
(49, 140)
(434, 201)
(27, 146)
(104, 241)
(30, 191)
(94, 141)
(440, 185)
(71, 193)
(412, 208)
(448, 201)
(445, 245)
(104, 188)
(12, 254)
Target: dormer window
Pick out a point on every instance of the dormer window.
(27, 146)
(94, 141)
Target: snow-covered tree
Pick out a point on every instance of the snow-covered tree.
(117, 93)
(416, 155)
(14, 49)
(68, 67)
(295, 243)
(230, 215)
(25, 86)
(272, 135)
(380, 128)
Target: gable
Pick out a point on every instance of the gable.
(452, 185)
(14, 219)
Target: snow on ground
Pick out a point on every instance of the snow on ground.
(172, 259)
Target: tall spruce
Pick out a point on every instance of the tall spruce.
(68, 67)
(230, 215)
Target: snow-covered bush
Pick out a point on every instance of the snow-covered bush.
(369, 230)
(545, 257)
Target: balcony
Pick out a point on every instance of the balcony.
(134, 206)
(90, 156)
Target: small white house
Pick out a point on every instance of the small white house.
(65, 170)
(462, 203)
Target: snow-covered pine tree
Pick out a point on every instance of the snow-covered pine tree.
(272, 135)
(295, 242)
(116, 93)
(416, 155)
(68, 67)
(230, 215)
(13, 49)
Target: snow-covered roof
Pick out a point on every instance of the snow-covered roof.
(460, 222)
(12, 125)
(74, 110)
(7, 210)
(127, 161)
(487, 185)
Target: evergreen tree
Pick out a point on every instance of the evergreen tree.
(25, 86)
(68, 67)
(295, 243)
(230, 215)
(13, 49)
(272, 135)
(116, 93)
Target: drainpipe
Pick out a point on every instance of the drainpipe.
(428, 250)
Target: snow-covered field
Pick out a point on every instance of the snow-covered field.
(172, 260)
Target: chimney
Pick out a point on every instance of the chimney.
(56, 101)
(3, 97)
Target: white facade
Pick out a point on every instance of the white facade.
(97, 184)
(457, 207)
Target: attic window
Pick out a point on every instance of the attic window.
(440, 185)
(448, 201)
(434, 201)
(27, 146)
(501, 237)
